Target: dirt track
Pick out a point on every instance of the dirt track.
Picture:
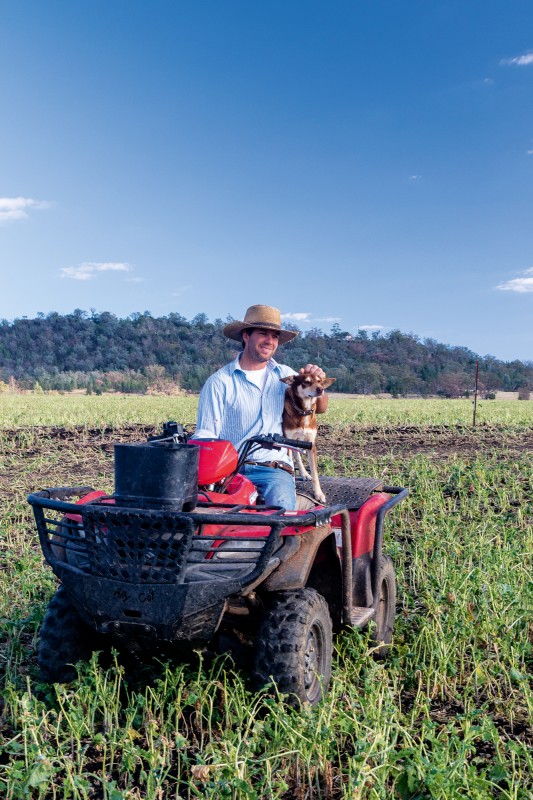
(438, 441)
(61, 456)
(376, 440)
(435, 441)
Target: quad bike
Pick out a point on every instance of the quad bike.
(185, 554)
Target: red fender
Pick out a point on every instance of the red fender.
(363, 524)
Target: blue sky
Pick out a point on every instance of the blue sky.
(362, 162)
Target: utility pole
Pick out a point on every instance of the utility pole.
(475, 395)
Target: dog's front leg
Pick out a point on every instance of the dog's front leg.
(317, 491)
(300, 464)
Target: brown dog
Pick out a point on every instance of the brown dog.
(299, 420)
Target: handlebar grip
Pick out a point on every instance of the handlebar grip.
(294, 443)
(276, 440)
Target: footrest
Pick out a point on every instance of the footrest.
(360, 616)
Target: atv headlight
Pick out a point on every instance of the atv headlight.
(239, 549)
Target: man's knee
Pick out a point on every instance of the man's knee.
(275, 485)
(281, 491)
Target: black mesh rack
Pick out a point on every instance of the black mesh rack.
(145, 546)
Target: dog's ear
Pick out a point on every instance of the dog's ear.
(327, 382)
(289, 380)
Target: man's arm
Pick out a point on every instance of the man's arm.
(322, 401)
(210, 411)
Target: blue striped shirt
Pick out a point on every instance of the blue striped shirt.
(232, 407)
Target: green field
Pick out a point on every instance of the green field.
(115, 410)
(448, 715)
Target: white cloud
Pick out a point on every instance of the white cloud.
(520, 285)
(520, 61)
(13, 209)
(530, 152)
(370, 327)
(414, 177)
(296, 316)
(89, 269)
(327, 319)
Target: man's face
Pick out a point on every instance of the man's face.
(260, 344)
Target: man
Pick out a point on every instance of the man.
(245, 398)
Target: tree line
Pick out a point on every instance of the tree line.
(101, 352)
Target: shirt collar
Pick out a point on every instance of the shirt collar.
(236, 365)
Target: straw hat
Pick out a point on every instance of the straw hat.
(259, 317)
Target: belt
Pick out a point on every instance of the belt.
(273, 464)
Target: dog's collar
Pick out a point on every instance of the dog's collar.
(298, 410)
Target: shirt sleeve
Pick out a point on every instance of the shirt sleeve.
(210, 410)
(285, 371)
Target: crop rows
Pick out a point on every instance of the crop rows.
(113, 411)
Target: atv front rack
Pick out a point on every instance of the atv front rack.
(160, 573)
(152, 546)
(170, 575)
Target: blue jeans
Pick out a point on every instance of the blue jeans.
(276, 485)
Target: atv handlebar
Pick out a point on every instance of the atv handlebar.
(275, 441)
(268, 441)
(173, 431)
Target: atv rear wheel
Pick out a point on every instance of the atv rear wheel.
(294, 646)
(64, 640)
(386, 610)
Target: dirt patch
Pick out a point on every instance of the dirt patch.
(45, 456)
(435, 441)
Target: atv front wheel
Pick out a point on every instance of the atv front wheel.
(386, 610)
(294, 646)
(64, 640)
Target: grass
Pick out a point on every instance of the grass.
(93, 411)
(448, 715)
(114, 411)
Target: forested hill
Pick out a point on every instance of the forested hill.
(99, 351)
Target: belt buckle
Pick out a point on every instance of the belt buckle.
(285, 467)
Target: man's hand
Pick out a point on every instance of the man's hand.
(313, 369)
